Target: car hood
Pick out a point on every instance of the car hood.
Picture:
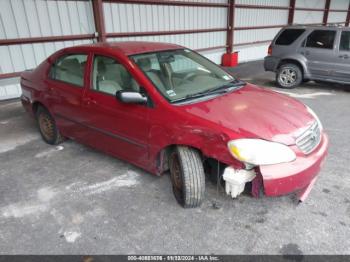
(254, 112)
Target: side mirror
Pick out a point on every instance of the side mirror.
(131, 97)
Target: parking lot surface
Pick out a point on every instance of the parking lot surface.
(71, 199)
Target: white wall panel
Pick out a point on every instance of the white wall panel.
(38, 18)
(337, 17)
(260, 17)
(214, 55)
(251, 52)
(339, 4)
(246, 36)
(135, 18)
(121, 17)
(193, 41)
(16, 58)
(308, 17)
(8, 91)
(35, 18)
(310, 3)
(207, 1)
(264, 2)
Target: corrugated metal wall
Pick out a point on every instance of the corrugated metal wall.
(303, 17)
(36, 18)
(336, 17)
(33, 18)
(257, 17)
(40, 18)
(121, 17)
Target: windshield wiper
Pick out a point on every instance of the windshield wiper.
(227, 87)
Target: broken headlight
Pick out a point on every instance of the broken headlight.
(260, 152)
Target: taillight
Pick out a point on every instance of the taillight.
(269, 50)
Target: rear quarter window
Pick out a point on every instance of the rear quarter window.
(288, 36)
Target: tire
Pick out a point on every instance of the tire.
(47, 127)
(187, 176)
(289, 76)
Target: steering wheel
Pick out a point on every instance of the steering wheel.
(188, 77)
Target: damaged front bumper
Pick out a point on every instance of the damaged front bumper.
(280, 179)
(299, 175)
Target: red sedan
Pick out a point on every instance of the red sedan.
(164, 107)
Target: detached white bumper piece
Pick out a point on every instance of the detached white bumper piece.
(235, 180)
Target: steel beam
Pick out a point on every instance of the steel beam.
(326, 12)
(291, 12)
(348, 17)
(42, 39)
(97, 7)
(230, 26)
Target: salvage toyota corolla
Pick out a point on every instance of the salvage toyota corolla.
(164, 107)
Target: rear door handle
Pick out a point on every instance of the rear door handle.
(344, 56)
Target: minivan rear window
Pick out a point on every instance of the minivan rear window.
(288, 36)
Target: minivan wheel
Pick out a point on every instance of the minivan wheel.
(289, 76)
(47, 127)
(187, 176)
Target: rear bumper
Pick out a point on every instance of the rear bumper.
(271, 63)
(26, 104)
(286, 178)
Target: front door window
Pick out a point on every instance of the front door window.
(109, 76)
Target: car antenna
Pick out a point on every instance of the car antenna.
(216, 204)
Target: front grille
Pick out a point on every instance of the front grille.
(310, 139)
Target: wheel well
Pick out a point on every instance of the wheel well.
(163, 157)
(36, 105)
(291, 61)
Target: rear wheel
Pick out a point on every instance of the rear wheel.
(289, 76)
(47, 127)
(187, 176)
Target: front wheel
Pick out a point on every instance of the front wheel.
(187, 176)
(289, 76)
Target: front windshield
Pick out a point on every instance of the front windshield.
(181, 74)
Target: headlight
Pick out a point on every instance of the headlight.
(315, 116)
(260, 152)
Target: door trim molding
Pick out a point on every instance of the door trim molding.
(115, 136)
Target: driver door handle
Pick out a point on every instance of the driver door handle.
(89, 101)
(305, 52)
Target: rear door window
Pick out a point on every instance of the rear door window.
(288, 36)
(345, 41)
(70, 69)
(321, 39)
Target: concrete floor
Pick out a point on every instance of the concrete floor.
(71, 199)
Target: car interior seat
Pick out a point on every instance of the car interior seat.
(71, 71)
(146, 66)
(104, 78)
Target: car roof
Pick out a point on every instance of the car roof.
(330, 26)
(130, 47)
